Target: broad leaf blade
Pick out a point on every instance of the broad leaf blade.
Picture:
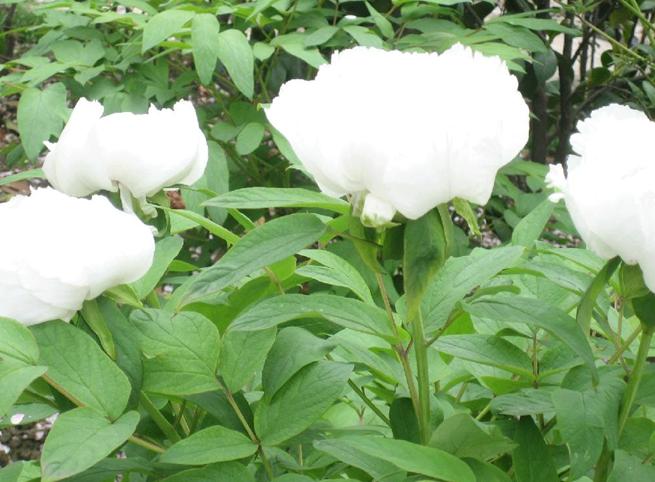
(345, 312)
(78, 365)
(181, 351)
(273, 197)
(210, 445)
(261, 247)
(300, 402)
(79, 439)
(519, 309)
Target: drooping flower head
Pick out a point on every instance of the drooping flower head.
(57, 251)
(609, 189)
(407, 131)
(140, 153)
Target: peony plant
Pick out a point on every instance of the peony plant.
(609, 193)
(289, 335)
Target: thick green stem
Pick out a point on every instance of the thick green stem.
(235, 406)
(424, 392)
(622, 348)
(146, 445)
(398, 348)
(635, 376)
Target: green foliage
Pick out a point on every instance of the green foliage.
(274, 337)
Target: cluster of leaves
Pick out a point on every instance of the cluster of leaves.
(269, 345)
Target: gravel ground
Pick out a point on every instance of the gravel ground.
(22, 442)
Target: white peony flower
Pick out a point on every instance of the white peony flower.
(57, 251)
(138, 153)
(610, 187)
(414, 130)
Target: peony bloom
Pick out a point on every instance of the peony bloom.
(404, 131)
(610, 190)
(57, 251)
(138, 153)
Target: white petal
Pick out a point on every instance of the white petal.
(414, 129)
(71, 166)
(144, 153)
(89, 246)
(609, 190)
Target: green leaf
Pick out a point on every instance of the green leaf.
(249, 138)
(273, 197)
(538, 24)
(463, 436)
(124, 295)
(111, 468)
(222, 472)
(644, 308)
(218, 406)
(15, 377)
(518, 309)
(488, 350)
(345, 312)
(235, 54)
(363, 36)
(292, 478)
(403, 421)
(532, 461)
(412, 457)
(337, 271)
(528, 230)
(458, 277)
(588, 300)
(21, 176)
(243, 354)
(20, 471)
(517, 36)
(96, 321)
(128, 353)
(464, 209)
(181, 351)
(79, 439)
(294, 45)
(347, 450)
(627, 467)
(425, 252)
(41, 114)
(381, 21)
(264, 245)
(528, 401)
(204, 39)
(215, 229)
(294, 348)
(320, 36)
(166, 250)
(17, 342)
(585, 419)
(300, 402)
(78, 365)
(163, 25)
(486, 472)
(213, 444)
